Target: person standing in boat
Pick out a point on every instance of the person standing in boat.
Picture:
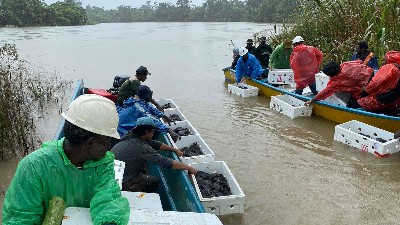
(349, 77)
(247, 66)
(129, 87)
(136, 148)
(362, 53)
(250, 47)
(280, 57)
(235, 57)
(78, 169)
(263, 52)
(305, 61)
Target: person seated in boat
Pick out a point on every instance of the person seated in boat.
(77, 169)
(382, 94)
(141, 106)
(348, 77)
(247, 66)
(305, 61)
(362, 53)
(235, 57)
(129, 87)
(263, 52)
(136, 148)
(250, 47)
(280, 57)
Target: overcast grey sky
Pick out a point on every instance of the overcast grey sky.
(112, 4)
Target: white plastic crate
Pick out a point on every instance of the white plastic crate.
(183, 124)
(187, 141)
(290, 106)
(222, 205)
(281, 76)
(169, 112)
(119, 167)
(162, 102)
(321, 80)
(354, 133)
(335, 100)
(249, 92)
(143, 201)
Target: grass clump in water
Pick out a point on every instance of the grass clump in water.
(24, 93)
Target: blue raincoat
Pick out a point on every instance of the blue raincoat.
(250, 68)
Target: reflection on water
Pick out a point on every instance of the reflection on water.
(291, 171)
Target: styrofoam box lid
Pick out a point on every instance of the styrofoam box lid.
(281, 71)
(143, 201)
(374, 132)
(221, 168)
(249, 87)
(187, 141)
(176, 111)
(184, 124)
(290, 100)
(162, 102)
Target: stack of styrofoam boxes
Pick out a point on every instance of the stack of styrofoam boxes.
(221, 205)
(119, 167)
(364, 137)
(290, 106)
(236, 89)
(281, 76)
(217, 205)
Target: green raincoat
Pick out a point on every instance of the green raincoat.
(48, 172)
(280, 57)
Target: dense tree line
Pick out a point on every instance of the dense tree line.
(209, 11)
(37, 13)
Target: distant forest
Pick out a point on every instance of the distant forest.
(70, 12)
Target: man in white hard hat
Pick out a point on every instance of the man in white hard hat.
(247, 66)
(77, 168)
(305, 61)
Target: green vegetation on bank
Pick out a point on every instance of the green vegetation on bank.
(335, 27)
(25, 91)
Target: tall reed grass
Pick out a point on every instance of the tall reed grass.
(24, 93)
(336, 26)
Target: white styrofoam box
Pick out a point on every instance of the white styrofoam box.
(169, 112)
(290, 106)
(119, 167)
(162, 102)
(187, 141)
(222, 205)
(281, 76)
(183, 124)
(321, 80)
(335, 100)
(81, 216)
(249, 92)
(354, 133)
(143, 201)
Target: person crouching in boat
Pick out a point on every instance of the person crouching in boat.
(280, 57)
(140, 106)
(305, 61)
(136, 148)
(247, 66)
(349, 77)
(77, 169)
(382, 94)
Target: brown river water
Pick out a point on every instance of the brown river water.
(291, 171)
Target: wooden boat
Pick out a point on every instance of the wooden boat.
(176, 191)
(323, 109)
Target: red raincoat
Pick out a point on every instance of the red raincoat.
(351, 78)
(305, 61)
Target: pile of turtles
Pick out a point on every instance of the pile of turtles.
(212, 185)
(181, 131)
(166, 106)
(192, 150)
(377, 139)
(242, 87)
(174, 117)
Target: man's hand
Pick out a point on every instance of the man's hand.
(168, 120)
(397, 134)
(178, 152)
(308, 103)
(192, 170)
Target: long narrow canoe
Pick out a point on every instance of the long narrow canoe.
(176, 191)
(328, 111)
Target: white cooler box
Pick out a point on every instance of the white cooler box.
(119, 167)
(222, 205)
(354, 133)
(290, 106)
(321, 80)
(187, 141)
(249, 92)
(335, 100)
(163, 102)
(281, 76)
(183, 124)
(171, 111)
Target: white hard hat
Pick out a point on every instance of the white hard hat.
(297, 39)
(243, 51)
(93, 113)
